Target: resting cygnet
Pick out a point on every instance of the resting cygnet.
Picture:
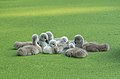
(51, 48)
(42, 40)
(70, 45)
(17, 45)
(62, 43)
(30, 49)
(95, 47)
(63, 39)
(79, 41)
(50, 36)
(76, 52)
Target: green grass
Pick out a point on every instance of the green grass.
(96, 20)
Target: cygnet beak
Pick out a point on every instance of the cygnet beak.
(37, 42)
(75, 42)
(47, 41)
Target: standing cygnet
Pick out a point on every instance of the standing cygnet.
(79, 41)
(30, 49)
(17, 45)
(50, 36)
(51, 48)
(95, 47)
(76, 52)
(42, 40)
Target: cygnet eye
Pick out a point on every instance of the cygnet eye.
(75, 42)
(37, 42)
(45, 37)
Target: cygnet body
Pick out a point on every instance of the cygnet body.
(51, 48)
(62, 43)
(70, 45)
(17, 44)
(30, 49)
(76, 52)
(95, 47)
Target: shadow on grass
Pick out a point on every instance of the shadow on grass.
(12, 49)
(12, 52)
(114, 55)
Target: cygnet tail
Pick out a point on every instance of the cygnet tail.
(107, 47)
(104, 47)
(21, 52)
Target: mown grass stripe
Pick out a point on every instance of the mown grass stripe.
(58, 11)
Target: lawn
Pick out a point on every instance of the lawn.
(96, 20)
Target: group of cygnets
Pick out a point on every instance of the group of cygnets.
(46, 43)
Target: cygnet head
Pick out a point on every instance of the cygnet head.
(53, 43)
(35, 38)
(71, 45)
(50, 35)
(43, 37)
(78, 39)
(64, 39)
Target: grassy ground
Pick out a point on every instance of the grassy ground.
(96, 20)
